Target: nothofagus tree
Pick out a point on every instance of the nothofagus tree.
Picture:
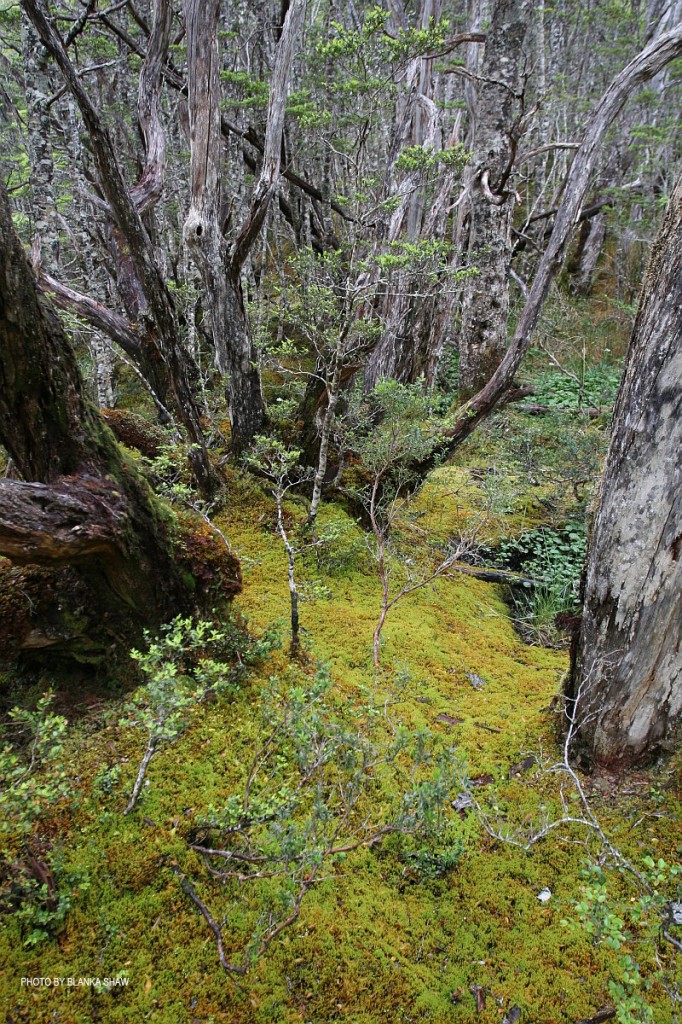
(627, 669)
(221, 263)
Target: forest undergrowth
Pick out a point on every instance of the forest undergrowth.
(411, 909)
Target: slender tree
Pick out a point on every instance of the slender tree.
(220, 262)
(491, 193)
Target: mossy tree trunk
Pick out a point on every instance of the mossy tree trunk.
(627, 670)
(79, 502)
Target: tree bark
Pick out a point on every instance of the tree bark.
(37, 89)
(627, 671)
(221, 264)
(584, 263)
(485, 309)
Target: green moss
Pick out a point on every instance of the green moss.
(373, 942)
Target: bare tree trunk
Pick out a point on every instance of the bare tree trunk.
(645, 65)
(627, 672)
(291, 574)
(221, 265)
(485, 311)
(37, 89)
(325, 437)
(584, 262)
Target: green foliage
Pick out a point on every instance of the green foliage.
(419, 158)
(170, 475)
(181, 674)
(176, 681)
(32, 781)
(553, 561)
(392, 430)
(372, 37)
(428, 256)
(596, 389)
(251, 91)
(321, 784)
(626, 926)
(30, 777)
(433, 860)
(274, 459)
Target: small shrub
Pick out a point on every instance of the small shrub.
(639, 925)
(326, 779)
(32, 780)
(181, 675)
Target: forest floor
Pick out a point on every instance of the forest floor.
(385, 934)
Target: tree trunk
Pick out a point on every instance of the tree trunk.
(416, 311)
(135, 240)
(221, 265)
(37, 89)
(88, 506)
(485, 311)
(627, 672)
(584, 263)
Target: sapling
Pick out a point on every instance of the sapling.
(33, 778)
(307, 800)
(281, 467)
(405, 435)
(181, 676)
(325, 313)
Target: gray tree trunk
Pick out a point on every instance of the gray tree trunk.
(485, 307)
(584, 264)
(641, 69)
(627, 670)
(37, 89)
(221, 264)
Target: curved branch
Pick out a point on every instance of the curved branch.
(97, 315)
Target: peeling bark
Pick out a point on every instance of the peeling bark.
(627, 672)
(485, 309)
(221, 264)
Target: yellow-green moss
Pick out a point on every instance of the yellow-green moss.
(371, 944)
